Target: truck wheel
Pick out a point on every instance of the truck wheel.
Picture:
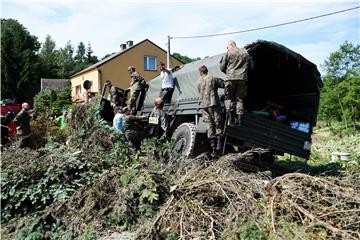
(184, 136)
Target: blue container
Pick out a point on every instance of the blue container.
(300, 126)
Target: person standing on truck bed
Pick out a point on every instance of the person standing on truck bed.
(235, 65)
(116, 96)
(167, 87)
(208, 87)
(158, 122)
(137, 85)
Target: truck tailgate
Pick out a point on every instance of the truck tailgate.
(262, 132)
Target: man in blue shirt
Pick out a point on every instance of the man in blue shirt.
(118, 119)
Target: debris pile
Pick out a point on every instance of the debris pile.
(211, 203)
(319, 204)
(93, 187)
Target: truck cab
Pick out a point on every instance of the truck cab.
(281, 105)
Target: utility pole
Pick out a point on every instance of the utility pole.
(168, 53)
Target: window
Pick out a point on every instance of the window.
(78, 91)
(150, 62)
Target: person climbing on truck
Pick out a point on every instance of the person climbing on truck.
(158, 122)
(211, 112)
(134, 129)
(137, 85)
(116, 95)
(235, 64)
(167, 86)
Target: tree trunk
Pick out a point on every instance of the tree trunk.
(342, 110)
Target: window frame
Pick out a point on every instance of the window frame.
(147, 59)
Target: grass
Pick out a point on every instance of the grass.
(326, 140)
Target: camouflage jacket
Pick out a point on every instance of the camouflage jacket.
(235, 64)
(133, 123)
(22, 120)
(208, 87)
(137, 82)
(116, 96)
(158, 123)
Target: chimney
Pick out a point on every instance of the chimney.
(129, 43)
(122, 46)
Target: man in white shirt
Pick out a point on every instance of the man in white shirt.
(167, 87)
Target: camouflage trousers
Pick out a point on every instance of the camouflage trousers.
(235, 90)
(212, 116)
(132, 101)
(134, 138)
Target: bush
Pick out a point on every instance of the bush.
(46, 101)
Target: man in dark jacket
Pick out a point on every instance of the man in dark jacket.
(158, 122)
(235, 65)
(211, 113)
(134, 129)
(22, 121)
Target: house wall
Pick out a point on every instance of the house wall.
(115, 69)
(78, 80)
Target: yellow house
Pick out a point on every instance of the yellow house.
(144, 56)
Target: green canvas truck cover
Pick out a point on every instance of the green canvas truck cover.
(277, 74)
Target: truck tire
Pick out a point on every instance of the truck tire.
(184, 136)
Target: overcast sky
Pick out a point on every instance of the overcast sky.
(107, 24)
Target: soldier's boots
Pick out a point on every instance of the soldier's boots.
(238, 119)
(219, 144)
(213, 146)
(230, 117)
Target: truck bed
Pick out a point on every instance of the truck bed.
(261, 132)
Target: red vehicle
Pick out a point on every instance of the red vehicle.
(8, 127)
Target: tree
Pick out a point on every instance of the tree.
(90, 59)
(107, 55)
(340, 98)
(66, 61)
(80, 53)
(184, 58)
(19, 59)
(80, 58)
(48, 58)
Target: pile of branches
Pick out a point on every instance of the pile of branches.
(88, 129)
(210, 203)
(219, 201)
(323, 207)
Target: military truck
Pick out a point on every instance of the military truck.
(281, 105)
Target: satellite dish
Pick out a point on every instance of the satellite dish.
(87, 84)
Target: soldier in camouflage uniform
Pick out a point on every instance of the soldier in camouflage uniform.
(137, 85)
(158, 122)
(134, 129)
(22, 121)
(116, 95)
(208, 86)
(235, 65)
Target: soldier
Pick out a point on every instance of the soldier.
(235, 65)
(116, 95)
(22, 121)
(137, 85)
(208, 86)
(134, 128)
(158, 122)
(167, 86)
